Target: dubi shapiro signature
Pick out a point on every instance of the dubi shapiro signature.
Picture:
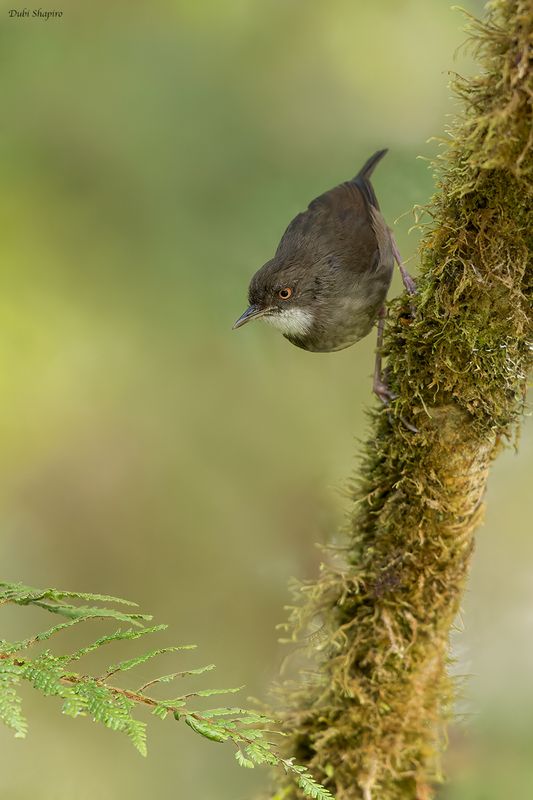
(34, 12)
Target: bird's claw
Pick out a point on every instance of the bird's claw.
(382, 391)
(409, 425)
(408, 282)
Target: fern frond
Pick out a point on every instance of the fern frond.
(119, 635)
(260, 753)
(112, 709)
(243, 761)
(10, 702)
(217, 733)
(210, 692)
(307, 783)
(24, 644)
(54, 594)
(243, 713)
(130, 663)
(114, 706)
(313, 789)
(24, 595)
(45, 673)
(173, 675)
(73, 612)
(52, 600)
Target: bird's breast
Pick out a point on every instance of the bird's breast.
(337, 325)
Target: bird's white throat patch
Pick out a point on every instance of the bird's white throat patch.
(291, 321)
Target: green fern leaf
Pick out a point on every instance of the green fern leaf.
(161, 711)
(73, 612)
(19, 593)
(74, 705)
(45, 673)
(124, 666)
(209, 692)
(243, 761)
(136, 732)
(260, 753)
(119, 635)
(113, 706)
(245, 717)
(252, 733)
(15, 647)
(113, 710)
(55, 594)
(218, 712)
(308, 785)
(174, 675)
(10, 702)
(186, 673)
(213, 732)
(314, 790)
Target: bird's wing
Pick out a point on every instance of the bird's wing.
(383, 237)
(340, 227)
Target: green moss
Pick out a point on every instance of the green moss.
(370, 721)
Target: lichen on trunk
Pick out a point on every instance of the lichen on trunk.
(370, 722)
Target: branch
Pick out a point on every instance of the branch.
(371, 724)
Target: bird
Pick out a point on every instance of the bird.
(325, 287)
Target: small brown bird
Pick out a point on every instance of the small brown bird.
(326, 286)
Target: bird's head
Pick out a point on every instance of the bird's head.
(284, 295)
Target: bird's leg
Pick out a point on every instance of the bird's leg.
(408, 282)
(379, 385)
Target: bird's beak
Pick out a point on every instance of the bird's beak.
(253, 312)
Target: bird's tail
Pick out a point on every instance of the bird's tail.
(362, 179)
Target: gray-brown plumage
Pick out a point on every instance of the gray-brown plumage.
(329, 278)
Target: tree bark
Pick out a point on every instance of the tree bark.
(370, 721)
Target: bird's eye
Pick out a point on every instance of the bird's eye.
(285, 293)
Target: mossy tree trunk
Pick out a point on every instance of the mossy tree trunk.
(370, 724)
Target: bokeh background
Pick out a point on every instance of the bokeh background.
(151, 155)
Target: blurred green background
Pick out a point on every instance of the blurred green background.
(151, 154)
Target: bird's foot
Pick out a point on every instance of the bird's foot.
(382, 391)
(385, 394)
(408, 282)
(409, 425)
